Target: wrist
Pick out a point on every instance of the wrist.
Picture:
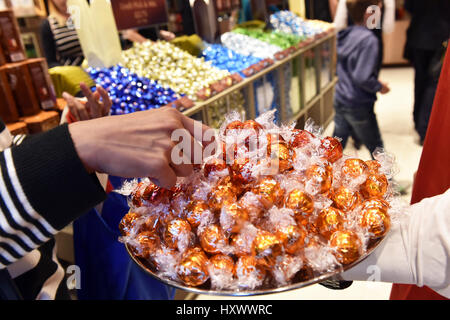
(82, 145)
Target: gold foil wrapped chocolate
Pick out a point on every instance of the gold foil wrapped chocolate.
(247, 265)
(329, 221)
(147, 243)
(128, 222)
(233, 218)
(376, 220)
(354, 168)
(292, 238)
(375, 186)
(194, 212)
(331, 149)
(269, 192)
(300, 138)
(175, 230)
(345, 199)
(347, 246)
(320, 177)
(212, 239)
(299, 200)
(193, 268)
(223, 263)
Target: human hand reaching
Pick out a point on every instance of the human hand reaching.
(98, 103)
(138, 144)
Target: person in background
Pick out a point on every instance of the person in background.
(59, 38)
(358, 85)
(429, 28)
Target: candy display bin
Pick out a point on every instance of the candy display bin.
(309, 93)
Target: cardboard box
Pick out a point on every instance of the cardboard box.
(43, 85)
(22, 88)
(8, 109)
(17, 128)
(43, 121)
(10, 40)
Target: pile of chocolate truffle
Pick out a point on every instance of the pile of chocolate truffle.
(274, 205)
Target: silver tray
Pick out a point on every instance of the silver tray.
(262, 291)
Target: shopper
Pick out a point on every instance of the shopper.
(429, 28)
(387, 23)
(48, 180)
(39, 274)
(59, 38)
(357, 87)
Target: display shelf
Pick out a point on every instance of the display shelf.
(318, 105)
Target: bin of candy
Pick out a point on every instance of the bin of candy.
(274, 209)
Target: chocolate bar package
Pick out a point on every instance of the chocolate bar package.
(42, 82)
(10, 40)
(22, 87)
(8, 110)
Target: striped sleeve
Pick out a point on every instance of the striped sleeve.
(43, 187)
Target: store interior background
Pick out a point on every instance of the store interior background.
(394, 112)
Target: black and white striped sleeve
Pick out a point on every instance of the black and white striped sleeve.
(43, 187)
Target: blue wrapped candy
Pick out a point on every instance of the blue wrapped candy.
(130, 93)
(226, 59)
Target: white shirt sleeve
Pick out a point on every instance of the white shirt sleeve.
(416, 251)
(340, 20)
(389, 16)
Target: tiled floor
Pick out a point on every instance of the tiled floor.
(394, 113)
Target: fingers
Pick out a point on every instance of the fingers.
(107, 103)
(93, 104)
(164, 176)
(72, 105)
(198, 130)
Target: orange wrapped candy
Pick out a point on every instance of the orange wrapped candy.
(194, 212)
(375, 186)
(347, 246)
(329, 220)
(175, 229)
(224, 194)
(214, 165)
(331, 149)
(282, 156)
(267, 246)
(212, 239)
(223, 263)
(234, 218)
(376, 203)
(354, 168)
(148, 242)
(152, 223)
(247, 265)
(241, 172)
(155, 195)
(321, 177)
(128, 222)
(193, 268)
(376, 220)
(292, 237)
(345, 199)
(239, 246)
(299, 200)
(269, 192)
(300, 138)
